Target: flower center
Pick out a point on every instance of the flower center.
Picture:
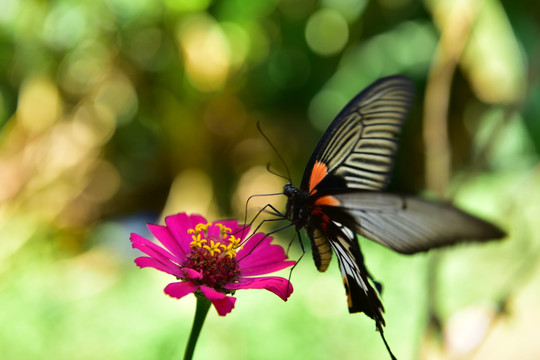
(213, 254)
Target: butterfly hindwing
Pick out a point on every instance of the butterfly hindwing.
(361, 296)
(407, 224)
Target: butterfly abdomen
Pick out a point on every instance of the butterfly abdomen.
(322, 253)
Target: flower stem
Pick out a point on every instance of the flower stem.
(203, 304)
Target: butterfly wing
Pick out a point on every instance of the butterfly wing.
(352, 162)
(361, 296)
(358, 148)
(407, 224)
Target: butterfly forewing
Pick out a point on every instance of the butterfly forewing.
(360, 145)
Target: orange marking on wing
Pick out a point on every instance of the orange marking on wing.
(327, 200)
(347, 292)
(317, 174)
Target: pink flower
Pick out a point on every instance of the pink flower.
(213, 259)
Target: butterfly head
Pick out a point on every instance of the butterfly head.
(289, 190)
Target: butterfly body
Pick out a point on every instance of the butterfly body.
(342, 195)
(298, 210)
(308, 212)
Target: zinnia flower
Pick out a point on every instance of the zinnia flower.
(213, 259)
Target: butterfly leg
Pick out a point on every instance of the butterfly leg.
(301, 256)
(265, 235)
(274, 212)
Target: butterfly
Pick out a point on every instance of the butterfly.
(342, 195)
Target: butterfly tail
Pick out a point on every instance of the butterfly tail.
(361, 296)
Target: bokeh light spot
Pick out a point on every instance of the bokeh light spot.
(187, 5)
(350, 9)
(104, 183)
(239, 41)
(65, 26)
(119, 96)
(205, 51)
(493, 59)
(327, 32)
(191, 191)
(84, 67)
(257, 180)
(92, 125)
(39, 104)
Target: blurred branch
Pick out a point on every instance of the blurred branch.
(437, 147)
(454, 34)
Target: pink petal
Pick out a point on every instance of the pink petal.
(255, 242)
(164, 236)
(261, 269)
(180, 289)
(231, 224)
(241, 232)
(151, 249)
(223, 303)
(190, 273)
(195, 219)
(168, 268)
(214, 232)
(264, 257)
(279, 286)
(236, 229)
(179, 225)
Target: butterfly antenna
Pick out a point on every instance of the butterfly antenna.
(274, 172)
(289, 178)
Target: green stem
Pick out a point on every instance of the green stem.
(203, 304)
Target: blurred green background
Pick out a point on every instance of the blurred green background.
(116, 112)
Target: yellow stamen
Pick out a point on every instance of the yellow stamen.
(197, 241)
(235, 242)
(201, 227)
(233, 246)
(223, 230)
(213, 248)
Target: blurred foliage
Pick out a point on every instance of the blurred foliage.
(113, 112)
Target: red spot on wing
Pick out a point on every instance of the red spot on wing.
(318, 172)
(324, 219)
(327, 200)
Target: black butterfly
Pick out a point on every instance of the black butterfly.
(341, 195)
